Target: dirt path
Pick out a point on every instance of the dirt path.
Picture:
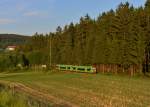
(37, 94)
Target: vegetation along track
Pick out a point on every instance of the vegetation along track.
(18, 87)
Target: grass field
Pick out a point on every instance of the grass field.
(88, 90)
(7, 99)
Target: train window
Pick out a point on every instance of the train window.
(68, 68)
(62, 67)
(89, 69)
(81, 69)
(74, 68)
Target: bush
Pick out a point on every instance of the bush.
(9, 62)
(37, 58)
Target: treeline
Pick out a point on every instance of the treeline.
(12, 39)
(115, 37)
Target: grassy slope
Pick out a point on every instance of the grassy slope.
(7, 99)
(87, 89)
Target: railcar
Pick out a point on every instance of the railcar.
(73, 68)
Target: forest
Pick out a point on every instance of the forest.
(117, 37)
(12, 39)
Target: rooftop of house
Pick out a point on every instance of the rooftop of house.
(11, 46)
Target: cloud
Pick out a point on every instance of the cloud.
(33, 13)
(6, 21)
(39, 14)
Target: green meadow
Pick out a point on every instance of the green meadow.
(87, 90)
(7, 99)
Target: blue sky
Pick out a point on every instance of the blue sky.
(30, 16)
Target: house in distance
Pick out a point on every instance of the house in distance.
(11, 48)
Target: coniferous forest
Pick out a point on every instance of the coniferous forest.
(120, 37)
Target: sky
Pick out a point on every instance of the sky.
(29, 16)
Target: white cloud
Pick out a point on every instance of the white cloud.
(6, 21)
(33, 13)
(39, 14)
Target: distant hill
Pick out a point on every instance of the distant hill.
(12, 39)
